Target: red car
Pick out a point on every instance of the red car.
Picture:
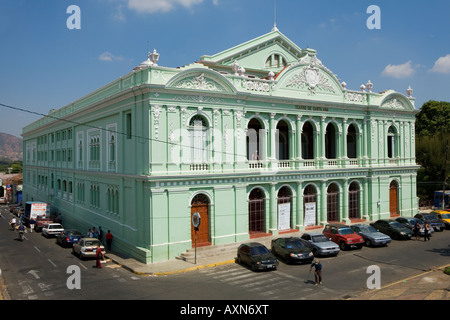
(343, 235)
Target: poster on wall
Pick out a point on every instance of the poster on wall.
(284, 216)
(310, 214)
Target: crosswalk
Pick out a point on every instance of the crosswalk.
(270, 285)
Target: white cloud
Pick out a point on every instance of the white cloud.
(152, 6)
(442, 65)
(399, 71)
(109, 57)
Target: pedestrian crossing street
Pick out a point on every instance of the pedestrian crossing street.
(270, 285)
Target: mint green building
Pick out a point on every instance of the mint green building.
(258, 139)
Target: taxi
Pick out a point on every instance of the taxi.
(444, 216)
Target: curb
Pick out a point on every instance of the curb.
(204, 266)
(210, 265)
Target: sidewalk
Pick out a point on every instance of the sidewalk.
(430, 285)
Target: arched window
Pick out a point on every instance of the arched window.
(283, 141)
(351, 142)
(275, 61)
(392, 142)
(198, 135)
(308, 141)
(254, 140)
(330, 142)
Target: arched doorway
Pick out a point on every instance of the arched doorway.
(284, 208)
(353, 201)
(310, 206)
(351, 142)
(333, 202)
(283, 141)
(254, 140)
(308, 141)
(198, 128)
(393, 198)
(200, 204)
(256, 211)
(330, 142)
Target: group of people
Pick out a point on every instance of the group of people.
(426, 231)
(93, 233)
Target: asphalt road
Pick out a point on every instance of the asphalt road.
(39, 269)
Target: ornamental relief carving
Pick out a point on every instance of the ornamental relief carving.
(199, 82)
(393, 104)
(312, 79)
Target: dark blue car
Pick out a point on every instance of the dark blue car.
(68, 237)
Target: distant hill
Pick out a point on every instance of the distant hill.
(10, 147)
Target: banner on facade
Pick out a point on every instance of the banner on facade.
(284, 216)
(310, 214)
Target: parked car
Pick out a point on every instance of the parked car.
(392, 228)
(410, 222)
(371, 236)
(68, 237)
(52, 229)
(343, 236)
(432, 220)
(292, 250)
(257, 256)
(87, 247)
(320, 244)
(444, 215)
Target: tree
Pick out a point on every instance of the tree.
(432, 138)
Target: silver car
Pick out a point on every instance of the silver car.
(320, 244)
(371, 236)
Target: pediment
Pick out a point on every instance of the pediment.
(253, 54)
(200, 79)
(309, 76)
(396, 101)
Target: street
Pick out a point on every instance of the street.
(40, 269)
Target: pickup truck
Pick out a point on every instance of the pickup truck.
(41, 222)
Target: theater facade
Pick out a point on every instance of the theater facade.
(258, 139)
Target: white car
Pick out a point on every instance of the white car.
(87, 248)
(52, 229)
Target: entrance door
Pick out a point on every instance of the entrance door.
(333, 203)
(393, 199)
(256, 211)
(200, 204)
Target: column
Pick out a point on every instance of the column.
(273, 211)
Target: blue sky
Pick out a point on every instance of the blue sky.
(45, 65)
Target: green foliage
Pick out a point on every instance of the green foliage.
(433, 136)
(433, 117)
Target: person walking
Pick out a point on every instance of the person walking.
(317, 272)
(99, 257)
(32, 224)
(109, 238)
(426, 230)
(417, 230)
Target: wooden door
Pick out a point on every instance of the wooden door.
(393, 199)
(200, 204)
